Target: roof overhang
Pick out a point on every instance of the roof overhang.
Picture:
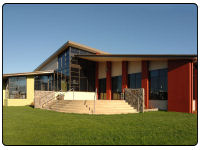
(64, 47)
(28, 73)
(122, 57)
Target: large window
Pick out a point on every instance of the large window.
(62, 75)
(134, 80)
(44, 82)
(158, 84)
(17, 87)
(116, 87)
(82, 72)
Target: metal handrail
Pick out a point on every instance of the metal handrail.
(48, 100)
(51, 98)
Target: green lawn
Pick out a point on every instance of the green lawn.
(29, 126)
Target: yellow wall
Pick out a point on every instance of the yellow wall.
(4, 91)
(30, 94)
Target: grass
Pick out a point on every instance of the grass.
(29, 126)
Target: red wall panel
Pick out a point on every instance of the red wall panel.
(196, 83)
(180, 86)
(145, 82)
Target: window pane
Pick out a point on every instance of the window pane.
(138, 80)
(158, 84)
(134, 80)
(17, 87)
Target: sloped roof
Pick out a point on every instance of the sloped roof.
(64, 47)
(28, 73)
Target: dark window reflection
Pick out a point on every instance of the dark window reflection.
(134, 80)
(158, 84)
(116, 87)
(102, 88)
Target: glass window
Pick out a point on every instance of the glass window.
(102, 85)
(59, 63)
(17, 87)
(158, 84)
(44, 83)
(134, 80)
(102, 88)
(63, 60)
(117, 84)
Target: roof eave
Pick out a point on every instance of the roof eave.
(65, 46)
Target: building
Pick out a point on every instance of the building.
(169, 81)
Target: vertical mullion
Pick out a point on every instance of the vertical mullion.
(70, 67)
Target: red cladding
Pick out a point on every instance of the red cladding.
(96, 78)
(196, 83)
(145, 82)
(124, 75)
(108, 80)
(180, 86)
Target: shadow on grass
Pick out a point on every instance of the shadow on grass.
(32, 106)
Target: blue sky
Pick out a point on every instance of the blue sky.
(31, 33)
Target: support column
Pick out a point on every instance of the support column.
(195, 87)
(191, 87)
(108, 80)
(145, 82)
(96, 79)
(124, 75)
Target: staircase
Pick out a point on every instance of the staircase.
(69, 106)
(87, 107)
(110, 107)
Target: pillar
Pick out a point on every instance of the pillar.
(145, 82)
(108, 81)
(124, 75)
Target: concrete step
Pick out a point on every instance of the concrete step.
(71, 107)
(101, 106)
(109, 105)
(72, 111)
(68, 105)
(114, 112)
(116, 108)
